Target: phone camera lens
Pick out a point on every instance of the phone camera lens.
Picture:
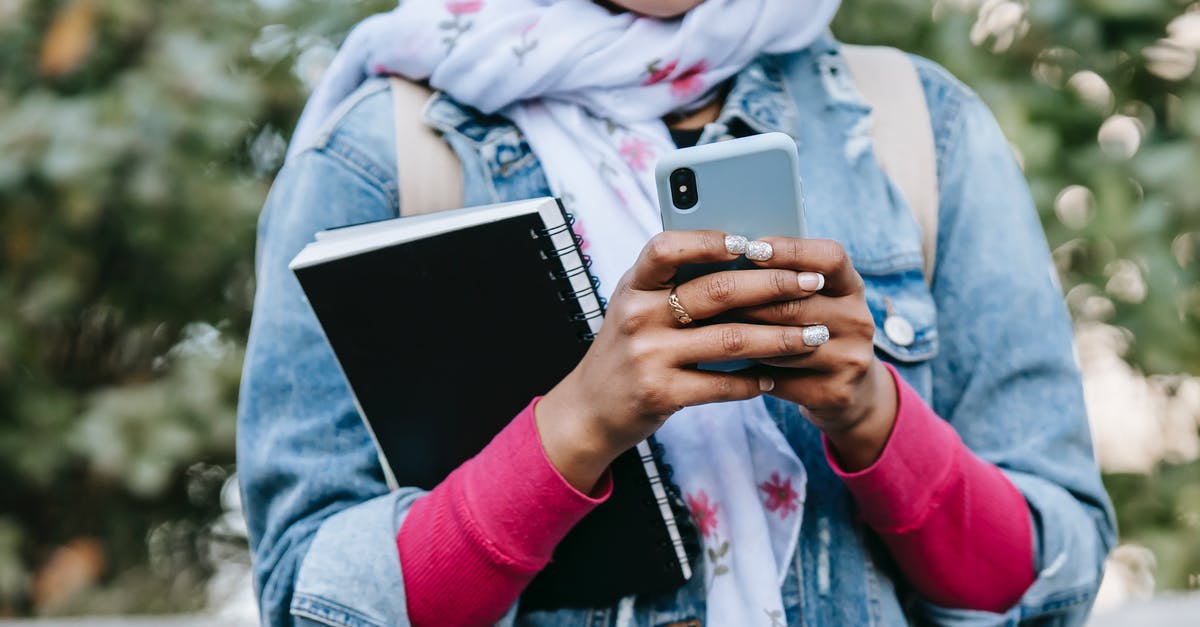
(683, 188)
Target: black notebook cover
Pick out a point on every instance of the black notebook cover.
(445, 337)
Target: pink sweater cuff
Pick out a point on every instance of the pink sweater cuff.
(470, 546)
(518, 499)
(897, 491)
(955, 524)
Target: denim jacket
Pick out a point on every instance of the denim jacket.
(991, 352)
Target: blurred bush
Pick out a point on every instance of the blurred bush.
(139, 139)
(1101, 101)
(1161, 512)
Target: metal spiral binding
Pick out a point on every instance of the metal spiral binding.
(568, 274)
(538, 233)
(588, 315)
(573, 272)
(559, 252)
(593, 285)
(575, 237)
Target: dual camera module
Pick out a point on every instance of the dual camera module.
(683, 188)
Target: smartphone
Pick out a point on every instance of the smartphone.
(747, 186)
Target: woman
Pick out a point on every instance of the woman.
(923, 457)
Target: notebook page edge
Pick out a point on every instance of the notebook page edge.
(373, 236)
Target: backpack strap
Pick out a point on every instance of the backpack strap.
(428, 172)
(902, 133)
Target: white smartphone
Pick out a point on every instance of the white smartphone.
(747, 186)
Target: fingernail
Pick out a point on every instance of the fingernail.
(815, 335)
(759, 251)
(811, 281)
(765, 383)
(736, 244)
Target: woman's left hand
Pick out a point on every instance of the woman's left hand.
(846, 391)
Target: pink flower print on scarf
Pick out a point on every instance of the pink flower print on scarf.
(456, 25)
(658, 74)
(636, 152)
(526, 44)
(705, 515)
(689, 83)
(780, 495)
(704, 512)
(463, 7)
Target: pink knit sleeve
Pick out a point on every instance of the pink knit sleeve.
(957, 527)
(470, 546)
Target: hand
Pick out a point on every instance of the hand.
(640, 369)
(846, 391)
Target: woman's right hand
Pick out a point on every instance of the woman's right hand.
(640, 368)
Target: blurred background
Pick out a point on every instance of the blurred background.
(138, 140)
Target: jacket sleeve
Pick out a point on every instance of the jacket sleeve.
(322, 522)
(1006, 374)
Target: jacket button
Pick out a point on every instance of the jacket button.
(899, 330)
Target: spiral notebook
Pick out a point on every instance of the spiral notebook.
(445, 326)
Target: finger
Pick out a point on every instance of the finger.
(711, 294)
(814, 337)
(833, 357)
(794, 362)
(662, 256)
(823, 256)
(698, 387)
(819, 393)
(815, 391)
(721, 342)
(837, 313)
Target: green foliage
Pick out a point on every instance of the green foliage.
(1125, 240)
(139, 138)
(1161, 511)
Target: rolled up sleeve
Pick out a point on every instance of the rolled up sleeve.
(350, 574)
(321, 519)
(1007, 380)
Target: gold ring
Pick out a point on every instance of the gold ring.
(681, 314)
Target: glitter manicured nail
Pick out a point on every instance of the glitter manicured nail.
(815, 335)
(736, 244)
(759, 251)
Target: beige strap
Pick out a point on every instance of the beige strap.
(429, 175)
(902, 133)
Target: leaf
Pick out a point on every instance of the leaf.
(68, 39)
(446, 25)
(720, 570)
(712, 555)
(724, 549)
